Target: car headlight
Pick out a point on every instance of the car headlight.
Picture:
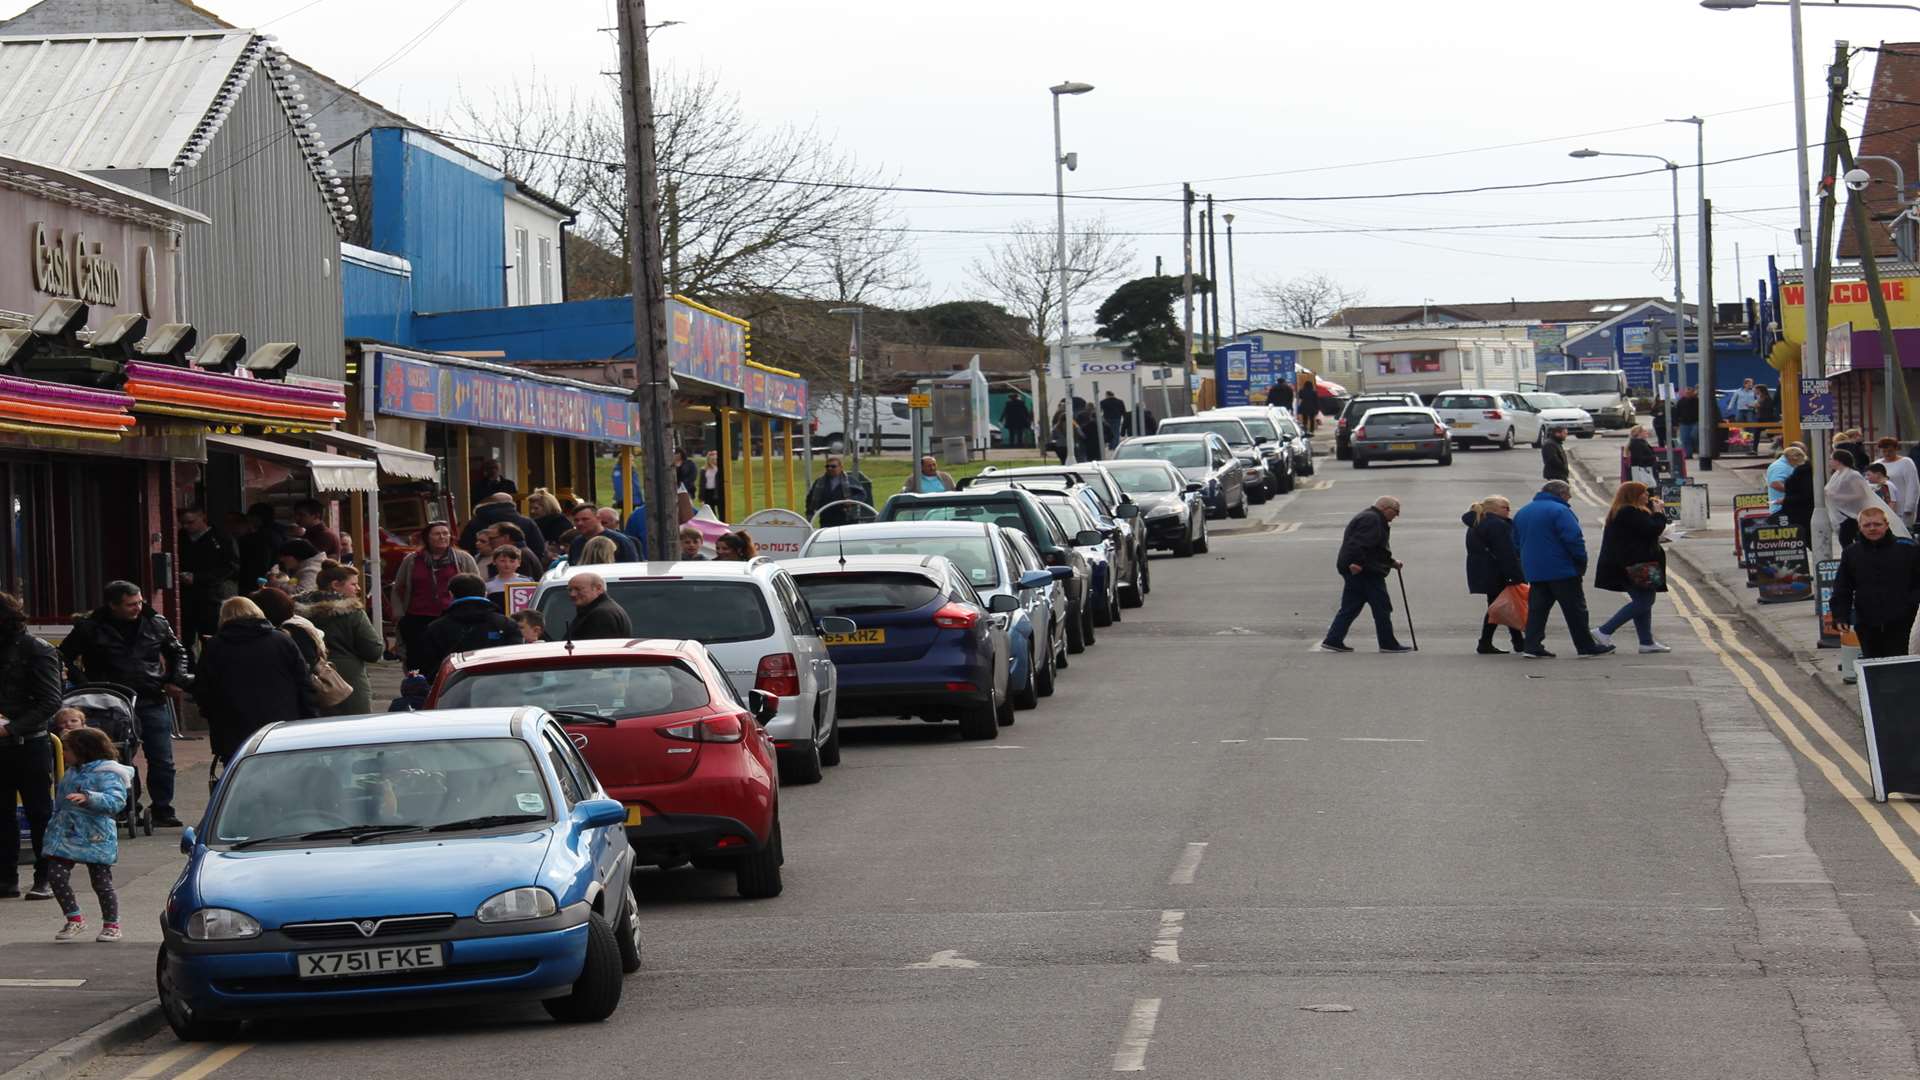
(527, 902)
(221, 924)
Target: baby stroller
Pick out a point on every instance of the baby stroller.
(110, 708)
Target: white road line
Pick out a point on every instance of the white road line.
(1359, 738)
(1132, 1055)
(1914, 917)
(1166, 944)
(1285, 738)
(42, 984)
(1233, 740)
(1291, 526)
(1189, 864)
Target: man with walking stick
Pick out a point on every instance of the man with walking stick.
(1365, 560)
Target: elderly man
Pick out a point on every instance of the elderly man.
(587, 524)
(1364, 561)
(595, 615)
(929, 480)
(1553, 553)
(491, 511)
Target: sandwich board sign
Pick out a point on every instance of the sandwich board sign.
(1888, 688)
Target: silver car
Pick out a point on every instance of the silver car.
(1400, 432)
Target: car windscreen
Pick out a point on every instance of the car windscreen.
(1142, 479)
(1464, 401)
(1185, 454)
(1231, 430)
(866, 592)
(706, 611)
(1071, 518)
(1358, 407)
(603, 688)
(427, 784)
(1262, 429)
(970, 553)
(1583, 382)
(1548, 401)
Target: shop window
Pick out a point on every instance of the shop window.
(546, 270)
(521, 267)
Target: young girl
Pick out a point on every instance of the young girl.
(83, 830)
(66, 720)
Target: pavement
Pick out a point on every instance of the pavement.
(1218, 853)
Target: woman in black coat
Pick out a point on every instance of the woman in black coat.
(1493, 561)
(250, 675)
(1632, 538)
(1640, 453)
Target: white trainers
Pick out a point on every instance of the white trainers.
(109, 932)
(73, 931)
(1655, 647)
(1600, 636)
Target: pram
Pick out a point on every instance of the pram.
(110, 708)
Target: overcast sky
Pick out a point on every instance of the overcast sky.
(1245, 99)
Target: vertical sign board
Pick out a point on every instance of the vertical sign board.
(1816, 404)
(1779, 555)
(1230, 368)
(1749, 510)
(1825, 573)
(1286, 365)
(1888, 688)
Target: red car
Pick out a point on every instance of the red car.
(663, 730)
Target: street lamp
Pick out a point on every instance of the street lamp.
(1233, 292)
(1679, 292)
(1703, 300)
(855, 370)
(1063, 161)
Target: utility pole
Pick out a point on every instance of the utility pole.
(1703, 323)
(1813, 362)
(1186, 286)
(1207, 294)
(673, 239)
(653, 378)
(1233, 286)
(1213, 263)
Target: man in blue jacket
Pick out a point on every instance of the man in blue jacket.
(1554, 555)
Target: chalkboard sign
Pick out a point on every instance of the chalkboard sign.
(1889, 689)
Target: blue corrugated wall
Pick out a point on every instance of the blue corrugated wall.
(378, 302)
(446, 219)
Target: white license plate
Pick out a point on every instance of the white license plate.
(351, 962)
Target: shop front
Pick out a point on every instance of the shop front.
(1855, 361)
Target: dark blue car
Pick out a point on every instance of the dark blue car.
(927, 644)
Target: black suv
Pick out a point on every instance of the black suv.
(1356, 408)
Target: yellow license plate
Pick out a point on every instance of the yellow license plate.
(634, 814)
(1463, 423)
(1403, 446)
(875, 636)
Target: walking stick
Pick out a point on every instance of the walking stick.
(1409, 608)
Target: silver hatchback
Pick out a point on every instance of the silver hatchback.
(1389, 434)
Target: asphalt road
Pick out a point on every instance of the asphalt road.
(1217, 853)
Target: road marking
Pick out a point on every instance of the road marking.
(161, 1064)
(1189, 864)
(995, 746)
(1233, 740)
(1166, 944)
(1360, 738)
(945, 958)
(1869, 811)
(42, 984)
(1132, 1055)
(214, 1061)
(1914, 917)
(1285, 738)
(1291, 526)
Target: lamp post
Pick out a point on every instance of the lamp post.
(856, 369)
(1233, 291)
(1679, 291)
(1063, 161)
(1703, 300)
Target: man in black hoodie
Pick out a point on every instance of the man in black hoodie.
(29, 695)
(471, 623)
(1875, 590)
(1553, 456)
(595, 615)
(126, 642)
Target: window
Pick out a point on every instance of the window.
(971, 554)
(1463, 401)
(707, 611)
(616, 692)
(570, 785)
(868, 592)
(546, 270)
(521, 267)
(798, 612)
(1142, 479)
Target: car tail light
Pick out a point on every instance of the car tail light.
(1343, 422)
(727, 728)
(956, 616)
(1440, 430)
(1359, 433)
(962, 688)
(1494, 414)
(778, 674)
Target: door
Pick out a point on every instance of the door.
(1526, 418)
(576, 786)
(809, 648)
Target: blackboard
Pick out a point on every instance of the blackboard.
(1890, 701)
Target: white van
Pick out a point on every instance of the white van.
(1602, 393)
(886, 412)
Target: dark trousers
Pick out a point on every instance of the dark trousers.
(413, 640)
(26, 774)
(1887, 639)
(1363, 590)
(1573, 602)
(1487, 629)
(156, 742)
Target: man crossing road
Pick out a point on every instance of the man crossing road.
(1554, 555)
(1365, 560)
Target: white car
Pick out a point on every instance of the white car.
(752, 618)
(1497, 417)
(1556, 411)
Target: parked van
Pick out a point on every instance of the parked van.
(1602, 393)
(887, 413)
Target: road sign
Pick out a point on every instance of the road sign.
(919, 401)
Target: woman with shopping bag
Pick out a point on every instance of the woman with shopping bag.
(1493, 569)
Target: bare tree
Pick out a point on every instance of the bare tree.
(1305, 301)
(1022, 273)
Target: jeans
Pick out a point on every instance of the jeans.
(26, 773)
(1488, 629)
(1887, 639)
(1639, 611)
(1573, 603)
(1364, 590)
(1687, 434)
(156, 742)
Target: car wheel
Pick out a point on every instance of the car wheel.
(596, 993)
(757, 875)
(1029, 697)
(1144, 561)
(1004, 715)
(1183, 547)
(1446, 459)
(187, 1025)
(1286, 482)
(1103, 611)
(1238, 511)
(981, 720)
(1506, 441)
(629, 935)
(1257, 495)
(1076, 630)
(1086, 625)
(830, 749)
(1359, 463)
(1136, 594)
(1043, 676)
(801, 765)
(1201, 545)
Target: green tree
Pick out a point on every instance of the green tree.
(1142, 311)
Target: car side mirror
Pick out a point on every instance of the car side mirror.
(1262, 440)
(186, 840)
(1194, 487)
(599, 813)
(1088, 538)
(837, 624)
(1035, 579)
(765, 706)
(1127, 511)
(1061, 573)
(1002, 603)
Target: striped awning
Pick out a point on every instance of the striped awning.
(331, 472)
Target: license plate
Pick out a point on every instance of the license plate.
(1461, 424)
(875, 636)
(1403, 446)
(351, 962)
(635, 814)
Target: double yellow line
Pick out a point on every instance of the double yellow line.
(1852, 782)
(206, 1066)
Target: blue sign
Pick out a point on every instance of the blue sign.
(1816, 404)
(465, 396)
(1231, 368)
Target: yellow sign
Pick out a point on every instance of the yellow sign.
(919, 401)
(1852, 302)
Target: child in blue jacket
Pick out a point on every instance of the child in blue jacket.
(84, 829)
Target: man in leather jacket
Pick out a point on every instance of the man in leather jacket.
(29, 694)
(126, 642)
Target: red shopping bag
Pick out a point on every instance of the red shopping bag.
(1509, 608)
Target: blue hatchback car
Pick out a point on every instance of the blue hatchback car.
(356, 864)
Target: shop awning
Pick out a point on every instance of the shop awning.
(330, 472)
(396, 461)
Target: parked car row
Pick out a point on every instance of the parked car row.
(486, 847)
(1399, 426)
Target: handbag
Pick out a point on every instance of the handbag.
(1510, 607)
(330, 688)
(1646, 575)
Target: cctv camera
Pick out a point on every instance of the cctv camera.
(1071, 161)
(1858, 179)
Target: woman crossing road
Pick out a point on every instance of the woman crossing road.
(1631, 561)
(1493, 562)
